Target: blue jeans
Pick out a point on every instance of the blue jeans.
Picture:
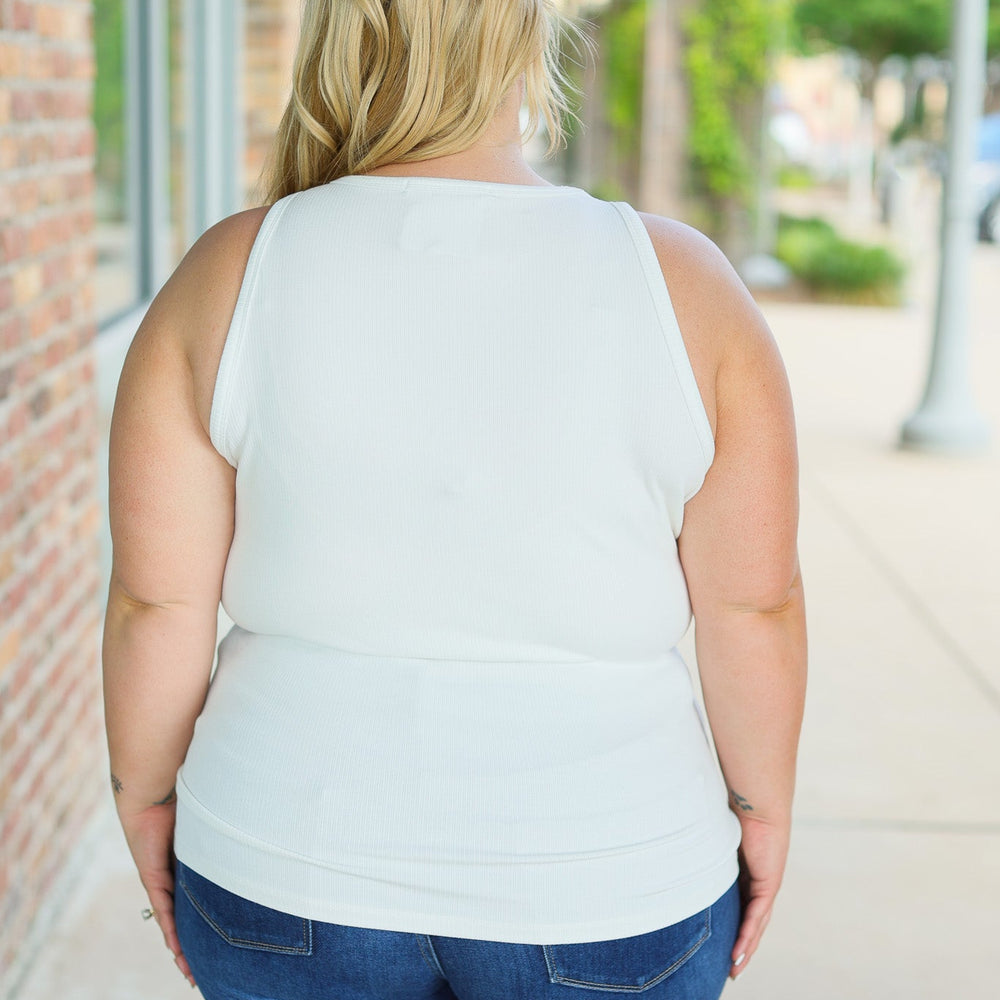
(239, 950)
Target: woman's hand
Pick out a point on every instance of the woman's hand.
(762, 865)
(150, 836)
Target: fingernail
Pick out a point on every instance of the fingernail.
(740, 960)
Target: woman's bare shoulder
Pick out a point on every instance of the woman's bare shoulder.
(195, 307)
(716, 313)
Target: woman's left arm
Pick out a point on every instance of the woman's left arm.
(171, 506)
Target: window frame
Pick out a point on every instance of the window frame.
(212, 44)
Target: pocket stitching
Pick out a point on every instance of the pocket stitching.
(555, 977)
(304, 949)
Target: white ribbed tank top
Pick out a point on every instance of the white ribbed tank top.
(464, 427)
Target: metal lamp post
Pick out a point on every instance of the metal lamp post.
(946, 419)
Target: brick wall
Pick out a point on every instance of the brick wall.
(271, 31)
(51, 744)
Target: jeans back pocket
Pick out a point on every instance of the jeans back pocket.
(242, 923)
(632, 964)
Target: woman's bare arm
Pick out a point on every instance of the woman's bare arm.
(171, 506)
(738, 547)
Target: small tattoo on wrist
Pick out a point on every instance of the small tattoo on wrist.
(741, 803)
(169, 797)
(116, 783)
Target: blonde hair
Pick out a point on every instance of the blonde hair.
(397, 81)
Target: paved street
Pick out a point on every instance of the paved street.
(894, 875)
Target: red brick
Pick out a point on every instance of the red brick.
(13, 242)
(83, 221)
(7, 563)
(56, 269)
(37, 149)
(8, 518)
(10, 827)
(38, 238)
(62, 226)
(13, 599)
(17, 421)
(20, 763)
(41, 318)
(49, 20)
(53, 188)
(10, 61)
(63, 103)
(11, 332)
(24, 195)
(10, 643)
(86, 141)
(79, 184)
(24, 105)
(84, 67)
(23, 15)
(9, 149)
(55, 353)
(27, 283)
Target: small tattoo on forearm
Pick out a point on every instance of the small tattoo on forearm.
(116, 783)
(169, 797)
(741, 803)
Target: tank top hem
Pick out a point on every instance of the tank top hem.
(291, 883)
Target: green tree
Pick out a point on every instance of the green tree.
(624, 30)
(728, 66)
(877, 29)
(109, 103)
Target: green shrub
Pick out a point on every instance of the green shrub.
(815, 226)
(795, 178)
(836, 268)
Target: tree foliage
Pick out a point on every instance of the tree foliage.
(727, 62)
(877, 29)
(109, 95)
(624, 37)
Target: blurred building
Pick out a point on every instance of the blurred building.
(127, 127)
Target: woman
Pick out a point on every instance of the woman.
(460, 451)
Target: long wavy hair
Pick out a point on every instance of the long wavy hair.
(397, 81)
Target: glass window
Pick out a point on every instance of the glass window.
(168, 151)
(180, 238)
(117, 278)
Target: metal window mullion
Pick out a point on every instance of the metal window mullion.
(148, 143)
(212, 34)
(233, 193)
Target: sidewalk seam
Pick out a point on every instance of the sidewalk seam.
(909, 596)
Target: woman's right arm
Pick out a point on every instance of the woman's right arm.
(739, 552)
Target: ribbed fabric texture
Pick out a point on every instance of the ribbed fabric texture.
(464, 428)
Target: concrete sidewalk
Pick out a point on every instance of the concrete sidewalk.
(893, 881)
(894, 875)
